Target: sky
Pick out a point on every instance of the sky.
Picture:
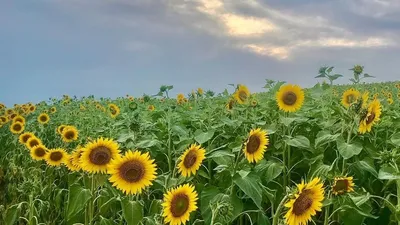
(111, 48)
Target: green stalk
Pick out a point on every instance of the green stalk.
(91, 203)
(279, 210)
(348, 142)
(398, 197)
(326, 219)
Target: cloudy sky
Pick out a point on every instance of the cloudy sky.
(117, 47)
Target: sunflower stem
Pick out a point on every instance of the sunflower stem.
(398, 198)
(326, 219)
(278, 210)
(91, 203)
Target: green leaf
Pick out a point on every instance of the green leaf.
(388, 173)
(132, 211)
(299, 142)
(262, 219)
(366, 75)
(179, 130)
(220, 153)
(348, 150)
(155, 207)
(287, 120)
(325, 139)
(147, 143)
(104, 221)
(204, 137)
(78, 197)
(395, 139)
(273, 171)
(12, 214)
(250, 186)
(334, 77)
(320, 76)
(207, 195)
(368, 165)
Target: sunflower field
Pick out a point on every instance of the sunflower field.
(323, 155)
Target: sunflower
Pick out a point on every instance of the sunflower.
(55, 157)
(364, 99)
(180, 97)
(200, 91)
(98, 154)
(32, 142)
(151, 107)
(191, 160)
(342, 185)
(69, 134)
(43, 118)
(69, 162)
(290, 98)
(133, 172)
(17, 128)
(242, 94)
(12, 116)
(349, 97)
(53, 110)
(307, 201)
(76, 156)
(256, 145)
(371, 117)
(61, 128)
(390, 101)
(230, 104)
(19, 118)
(178, 204)
(9, 112)
(254, 103)
(32, 108)
(3, 119)
(114, 110)
(23, 138)
(38, 152)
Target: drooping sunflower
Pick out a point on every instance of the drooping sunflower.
(69, 134)
(151, 107)
(32, 142)
(69, 162)
(114, 110)
(38, 152)
(290, 98)
(43, 118)
(133, 172)
(342, 185)
(23, 138)
(56, 157)
(61, 128)
(349, 97)
(98, 154)
(53, 110)
(242, 94)
(19, 118)
(179, 203)
(191, 160)
(256, 145)
(307, 201)
(17, 128)
(371, 117)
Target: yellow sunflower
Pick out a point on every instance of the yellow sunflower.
(43, 118)
(69, 134)
(191, 160)
(307, 201)
(9, 112)
(32, 108)
(230, 104)
(76, 156)
(53, 110)
(12, 116)
(342, 185)
(256, 145)
(98, 154)
(151, 107)
(365, 98)
(390, 101)
(19, 118)
(180, 97)
(56, 157)
(349, 97)
(133, 172)
(371, 117)
(38, 152)
(254, 103)
(3, 119)
(179, 203)
(69, 162)
(17, 128)
(61, 128)
(114, 110)
(200, 91)
(242, 94)
(290, 98)
(23, 138)
(32, 142)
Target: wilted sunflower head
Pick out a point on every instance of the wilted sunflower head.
(43, 118)
(358, 69)
(69, 134)
(342, 185)
(17, 127)
(242, 94)
(290, 98)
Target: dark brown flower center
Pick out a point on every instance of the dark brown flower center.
(17, 127)
(132, 171)
(253, 144)
(12, 116)
(370, 118)
(100, 155)
(302, 203)
(190, 159)
(43, 118)
(32, 108)
(19, 120)
(40, 152)
(289, 98)
(350, 99)
(179, 204)
(243, 95)
(341, 185)
(3, 119)
(69, 135)
(26, 137)
(33, 143)
(56, 156)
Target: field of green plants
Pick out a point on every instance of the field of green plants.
(326, 155)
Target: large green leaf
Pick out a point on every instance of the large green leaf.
(12, 214)
(273, 171)
(396, 139)
(368, 165)
(207, 195)
(388, 173)
(78, 198)
(348, 150)
(250, 186)
(204, 137)
(132, 211)
(325, 139)
(298, 142)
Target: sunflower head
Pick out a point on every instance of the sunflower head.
(114, 110)
(390, 101)
(242, 94)
(191, 160)
(9, 112)
(230, 104)
(38, 152)
(69, 162)
(61, 128)
(178, 204)
(370, 117)
(256, 145)
(307, 201)
(98, 154)
(151, 108)
(69, 134)
(349, 97)
(133, 172)
(200, 91)
(43, 118)
(23, 138)
(76, 156)
(32, 108)
(17, 128)
(290, 98)
(56, 157)
(180, 97)
(254, 103)
(342, 185)
(32, 142)
(3, 119)
(19, 118)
